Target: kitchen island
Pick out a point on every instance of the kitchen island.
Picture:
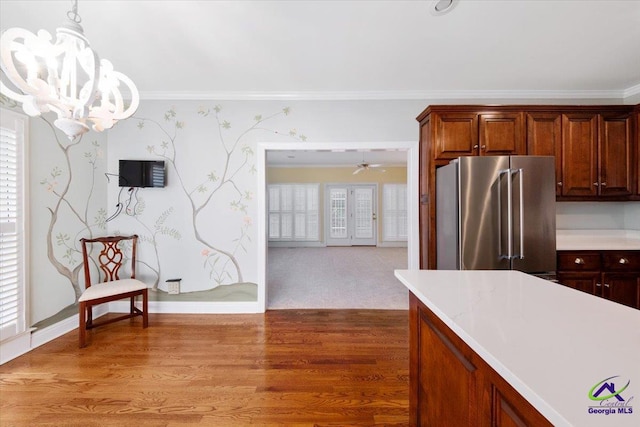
(506, 348)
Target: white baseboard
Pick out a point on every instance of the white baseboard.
(26, 342)
(44, 335)
(14, 347)
(37, 337)
(297, 244)
(390, 244)
(192, 307)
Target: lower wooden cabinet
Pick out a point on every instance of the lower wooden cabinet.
(451, 385)
(614, 275)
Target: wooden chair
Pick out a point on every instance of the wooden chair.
(109, 261)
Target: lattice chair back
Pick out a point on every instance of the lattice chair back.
(111, 258)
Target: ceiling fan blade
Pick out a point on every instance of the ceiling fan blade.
(375, 165)
(357, 171)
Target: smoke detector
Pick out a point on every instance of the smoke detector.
(440, 7)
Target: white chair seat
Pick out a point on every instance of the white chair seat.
(107, 289)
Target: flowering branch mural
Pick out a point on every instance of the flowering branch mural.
(220, 257)
(59, 184)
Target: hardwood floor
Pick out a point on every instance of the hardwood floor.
(283, 368)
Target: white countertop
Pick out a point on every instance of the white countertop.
(550, 342)
(603, 240)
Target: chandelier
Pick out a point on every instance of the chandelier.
(65, 77)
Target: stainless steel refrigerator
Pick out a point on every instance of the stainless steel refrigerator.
(497, 213)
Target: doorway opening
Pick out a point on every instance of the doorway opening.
(410, 152)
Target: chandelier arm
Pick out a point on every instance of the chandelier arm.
(66, 77)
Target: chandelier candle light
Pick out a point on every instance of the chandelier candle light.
(65, 77)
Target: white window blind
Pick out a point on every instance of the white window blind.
(394, 208)
(294, 212)
(13, 140)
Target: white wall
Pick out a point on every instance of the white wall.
(632, 216)
(597, 215)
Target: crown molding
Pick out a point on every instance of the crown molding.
(390, 95)
(631, 91)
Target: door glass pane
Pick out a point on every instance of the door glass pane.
(338, 207)
(363, 213)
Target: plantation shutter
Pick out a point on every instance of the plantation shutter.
(13, 128)
(394, 208)
(293, 212)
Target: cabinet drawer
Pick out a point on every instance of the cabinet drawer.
(578, 261)
(621, 261)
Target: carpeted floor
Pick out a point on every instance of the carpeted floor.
(336, 277)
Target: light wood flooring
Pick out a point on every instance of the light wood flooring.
(282, 368)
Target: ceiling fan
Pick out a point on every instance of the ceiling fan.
(366, 166)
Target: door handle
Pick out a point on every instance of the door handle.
(509, 255)
(521, 180)
(374, 216)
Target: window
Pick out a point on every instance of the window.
(394, 208)
(13, 140)
(294, 212)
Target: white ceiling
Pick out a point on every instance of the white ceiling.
(348, 158)
(359, 49)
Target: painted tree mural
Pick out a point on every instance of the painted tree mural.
(220, 257)
(65, 255)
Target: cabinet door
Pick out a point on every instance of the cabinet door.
(502, 134)
(456, 134)
(510, 409)
(588, 282)
(637, 158)
(615, 155)
(623, 288)
(446, 378)
(579, 155)
(544, 138)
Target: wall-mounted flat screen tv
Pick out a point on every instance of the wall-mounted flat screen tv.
(141, 173)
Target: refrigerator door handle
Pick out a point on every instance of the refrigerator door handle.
(521, 225)
(509, 173)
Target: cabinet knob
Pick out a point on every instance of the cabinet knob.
(579, 261)
(475, 146)
(483, 147)
(560, 184)
(598, 285)
(606, 285)
(623, 261)
(604, 184)
(596, 184)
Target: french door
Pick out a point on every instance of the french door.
(350, 215)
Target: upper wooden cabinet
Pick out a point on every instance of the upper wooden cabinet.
(637, 158)
(544, 138)
(596, 155)
(597, 150)
(579, 155)
(615, 155)
(478, 134)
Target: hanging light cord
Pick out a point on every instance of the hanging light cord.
(73, 13)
